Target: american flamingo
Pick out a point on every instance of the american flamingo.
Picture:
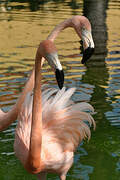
(50, 127)
(82, 27)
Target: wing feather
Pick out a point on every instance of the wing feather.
(65, 122)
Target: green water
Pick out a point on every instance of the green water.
(22, 27)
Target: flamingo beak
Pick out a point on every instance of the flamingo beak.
(87, 54)
(60, 78)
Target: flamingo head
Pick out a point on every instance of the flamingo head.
(48, 50)
(88, 44)
(83, 28)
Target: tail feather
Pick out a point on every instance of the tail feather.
(60, 101)
(83, 106)
(70, 128)
(66, 121)
(62, 98)
(46, 94)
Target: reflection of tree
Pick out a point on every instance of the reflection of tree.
(73, 4)
(34, 5)
(39, 4)
(96, 13)
(97, 73)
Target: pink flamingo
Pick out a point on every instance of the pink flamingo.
(82, 27)
(50, 126)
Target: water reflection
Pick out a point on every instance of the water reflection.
(35, 5)
(97, 73)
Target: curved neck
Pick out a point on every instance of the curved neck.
(63, 25)
(75, 22)
(33, 163)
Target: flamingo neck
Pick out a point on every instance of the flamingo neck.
(63, 25)
(75, 22)
(34, 157)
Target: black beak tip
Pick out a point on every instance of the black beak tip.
(60, 78)
(87, 54)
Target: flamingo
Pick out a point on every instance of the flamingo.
(50, 126)
(82, 27)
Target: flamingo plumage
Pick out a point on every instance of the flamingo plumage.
(82, 27)
(50, 126)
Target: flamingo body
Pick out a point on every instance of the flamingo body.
(63, 129)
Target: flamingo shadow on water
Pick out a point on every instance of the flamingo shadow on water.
(50, 126)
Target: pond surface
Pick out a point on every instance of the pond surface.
(22, 27)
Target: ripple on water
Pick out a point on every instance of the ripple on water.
(113, 89)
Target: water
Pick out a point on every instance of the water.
(22, 27)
